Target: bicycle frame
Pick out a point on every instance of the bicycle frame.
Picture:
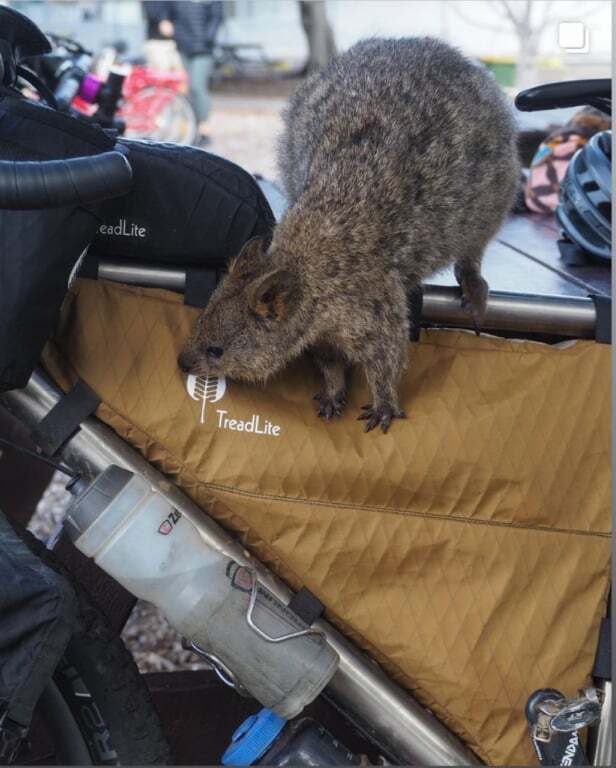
(405, 731)
(140, 116)
(141, 77)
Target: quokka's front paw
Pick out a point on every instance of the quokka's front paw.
(380, 415)
(330, 405)
(474, 301)
(475, 291)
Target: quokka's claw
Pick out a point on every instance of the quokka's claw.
(382, 415)
(330, 406)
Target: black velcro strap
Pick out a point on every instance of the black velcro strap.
(415, 310)
(65, 417)
(305, 605)
(200, 285)
(603, 325)
(89, 267)
(602, 669)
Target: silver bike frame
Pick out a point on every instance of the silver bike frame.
(603, 737)
(399, 725)
(403, 729)
(517, 312)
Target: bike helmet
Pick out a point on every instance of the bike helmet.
(585, 208)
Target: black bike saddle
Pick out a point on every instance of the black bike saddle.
(570, 93)
(20, 39)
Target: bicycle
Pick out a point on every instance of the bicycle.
(154, 104)
(397, 724)
(139, 101)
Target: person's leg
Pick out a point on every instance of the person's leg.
(198, 69)
(38, 614)
(206, 64)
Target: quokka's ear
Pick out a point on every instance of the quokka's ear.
(273, 295)
(252, 250)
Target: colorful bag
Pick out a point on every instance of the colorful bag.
(548, 168)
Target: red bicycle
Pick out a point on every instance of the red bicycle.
(154, 105)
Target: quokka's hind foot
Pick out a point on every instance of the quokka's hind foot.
(474, 292)
(380, 415)
(330, 405)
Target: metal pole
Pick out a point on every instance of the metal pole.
(147, 275)
(518, 312)
(604, 739)
(397, 723)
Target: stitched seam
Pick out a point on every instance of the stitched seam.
(402, 512)
(353, 507)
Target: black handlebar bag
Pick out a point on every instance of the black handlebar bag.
(187, 208)
(38, 248)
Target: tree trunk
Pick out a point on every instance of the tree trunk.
(321, 43)
(526, 74)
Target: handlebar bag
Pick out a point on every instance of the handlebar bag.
(187, 207)
(38, 248)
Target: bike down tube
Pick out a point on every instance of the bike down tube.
(398, 724)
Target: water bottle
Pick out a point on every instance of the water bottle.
(257, 642)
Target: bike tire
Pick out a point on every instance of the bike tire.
(112, 707)
(108, 708)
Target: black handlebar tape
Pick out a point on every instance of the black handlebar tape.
(27, 185)
(571, 93)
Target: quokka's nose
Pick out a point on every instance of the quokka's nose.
(185, 361)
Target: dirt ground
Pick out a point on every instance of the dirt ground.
(243, 129)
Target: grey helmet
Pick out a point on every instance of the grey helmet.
(585, 208)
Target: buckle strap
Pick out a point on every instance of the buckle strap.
(65, 418)
(307, 606)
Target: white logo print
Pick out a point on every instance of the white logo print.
(208, 389)
(123, 229)
(211, 389)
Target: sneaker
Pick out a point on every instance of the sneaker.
(202, 140)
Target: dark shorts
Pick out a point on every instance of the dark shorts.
(38, 611)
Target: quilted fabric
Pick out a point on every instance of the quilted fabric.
(468, 549)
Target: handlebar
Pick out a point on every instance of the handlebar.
(26, 184)
(570, 93)
(70, 80)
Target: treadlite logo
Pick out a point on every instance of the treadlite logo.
(123, 228)
(211, 389)
(207, 389)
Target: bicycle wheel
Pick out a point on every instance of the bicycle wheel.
(159, 114)
(97, 710)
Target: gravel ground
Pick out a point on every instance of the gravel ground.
(243, 130)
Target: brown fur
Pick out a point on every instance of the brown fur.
(398, 159)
